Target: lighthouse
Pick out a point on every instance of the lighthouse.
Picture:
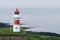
(16, 21)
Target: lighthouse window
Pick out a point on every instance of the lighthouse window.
(16, 12)
(16, 27)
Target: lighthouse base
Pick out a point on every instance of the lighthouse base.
(16, 28)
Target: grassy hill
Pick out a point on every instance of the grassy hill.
(7, 32)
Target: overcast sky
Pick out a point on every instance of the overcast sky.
(29, 3)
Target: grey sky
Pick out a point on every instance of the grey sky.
(29, 3)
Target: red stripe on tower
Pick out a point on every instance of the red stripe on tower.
(16, 22)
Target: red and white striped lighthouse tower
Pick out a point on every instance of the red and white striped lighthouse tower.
(16, 23)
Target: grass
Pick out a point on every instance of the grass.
(7, 32)
(42, 37)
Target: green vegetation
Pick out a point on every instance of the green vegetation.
(7, 32)
(42, 37)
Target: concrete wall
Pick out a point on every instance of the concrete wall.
(12, 38)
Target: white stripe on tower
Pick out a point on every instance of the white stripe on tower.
(16, 25)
